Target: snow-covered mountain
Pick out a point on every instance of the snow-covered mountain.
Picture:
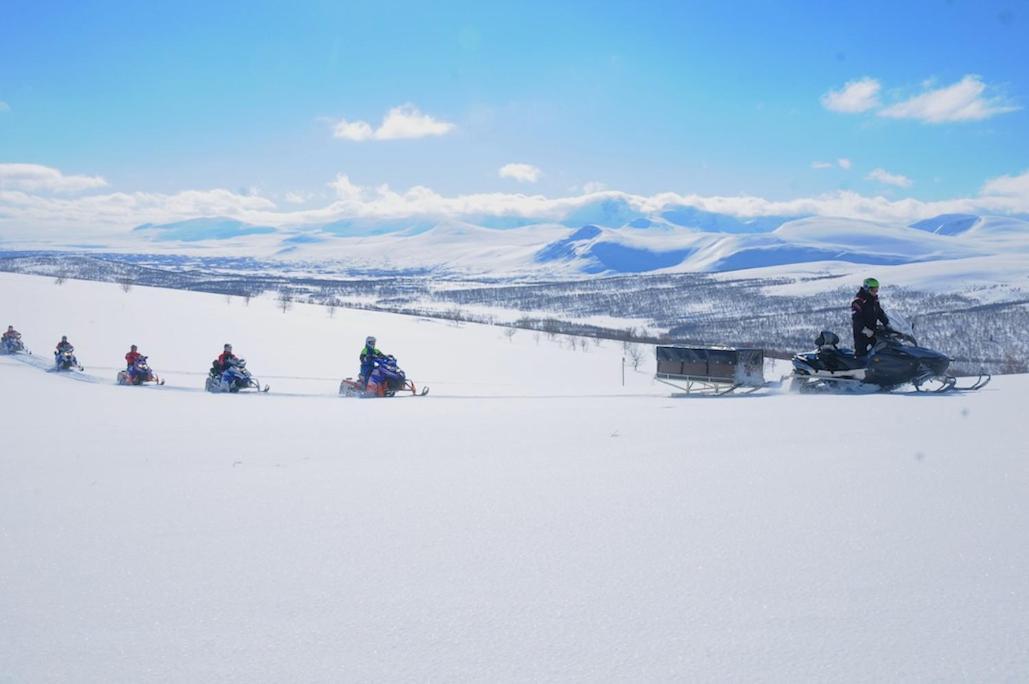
(605, 237)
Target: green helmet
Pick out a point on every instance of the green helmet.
(871, 282)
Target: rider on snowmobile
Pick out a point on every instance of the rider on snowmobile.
(368, 356)
(223, 363)
(226, 358)
(132, 357)
(11, 339)
(130, 361)
(65, 346)
(865, 314)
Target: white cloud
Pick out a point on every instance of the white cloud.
(1008, 186)
(593, 187)
(124, 210)
(884, 176)
(406, 121)
(345, 189)
(855, 96)
(4, 107)
(523, 173)
(352, 130)
(963, 101)
(113, 214)
(843, 163)
(403, 122)
(298, 197)
(821, 165)
(91, 214)
(38, 178)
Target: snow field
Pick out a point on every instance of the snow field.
(529, 520)
(302, 350)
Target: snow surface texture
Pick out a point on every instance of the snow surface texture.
(530, 520)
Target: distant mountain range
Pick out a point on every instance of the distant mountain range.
(605, 237)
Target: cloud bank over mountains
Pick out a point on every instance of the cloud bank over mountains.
(37, 200)
(594, 233)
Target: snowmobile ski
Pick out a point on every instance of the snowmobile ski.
(948, 383)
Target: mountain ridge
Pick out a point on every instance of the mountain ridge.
(627, 244)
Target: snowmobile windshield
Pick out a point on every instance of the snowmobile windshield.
(900, 324)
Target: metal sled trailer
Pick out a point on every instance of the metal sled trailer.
(711, 370)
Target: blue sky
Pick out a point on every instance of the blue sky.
(693, 98)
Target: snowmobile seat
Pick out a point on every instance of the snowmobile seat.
(827, 340)
(836, 359)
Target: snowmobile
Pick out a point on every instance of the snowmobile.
(385, 380)
(65, 360)
(13, 345)
(895, 359)
(138, 374)
(235, 378)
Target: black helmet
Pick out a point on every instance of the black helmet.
(133, 347)
(64, 338)
(228, 347)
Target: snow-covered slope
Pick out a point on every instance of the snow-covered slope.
(603, 237)
(616, 240)
(531, 519)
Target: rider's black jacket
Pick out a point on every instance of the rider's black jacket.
(865, 311)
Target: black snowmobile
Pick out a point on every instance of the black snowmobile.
(894, 360)
(65, 360)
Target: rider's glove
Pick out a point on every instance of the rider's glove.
(867, 332)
